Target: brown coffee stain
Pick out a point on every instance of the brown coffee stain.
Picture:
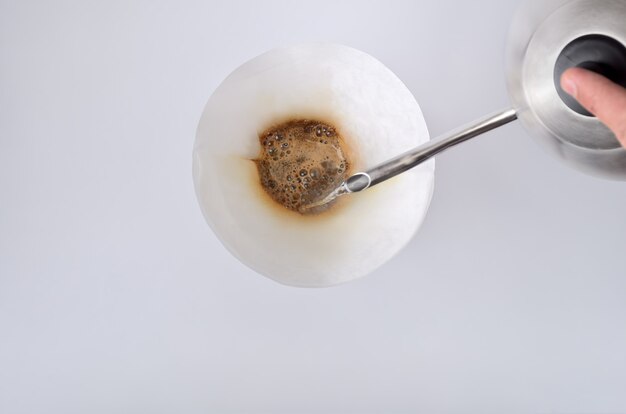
(302, 161)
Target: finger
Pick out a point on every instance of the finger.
(603, 98)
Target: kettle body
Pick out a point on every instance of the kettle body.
(546, 37)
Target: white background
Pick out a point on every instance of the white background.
(115, 297)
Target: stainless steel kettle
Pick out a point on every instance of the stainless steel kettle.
(546, 38)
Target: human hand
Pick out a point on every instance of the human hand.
(603, 98)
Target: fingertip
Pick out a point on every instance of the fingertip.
(569, 83)
(600, 96)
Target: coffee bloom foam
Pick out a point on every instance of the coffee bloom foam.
(365, 115)
(301, 163)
